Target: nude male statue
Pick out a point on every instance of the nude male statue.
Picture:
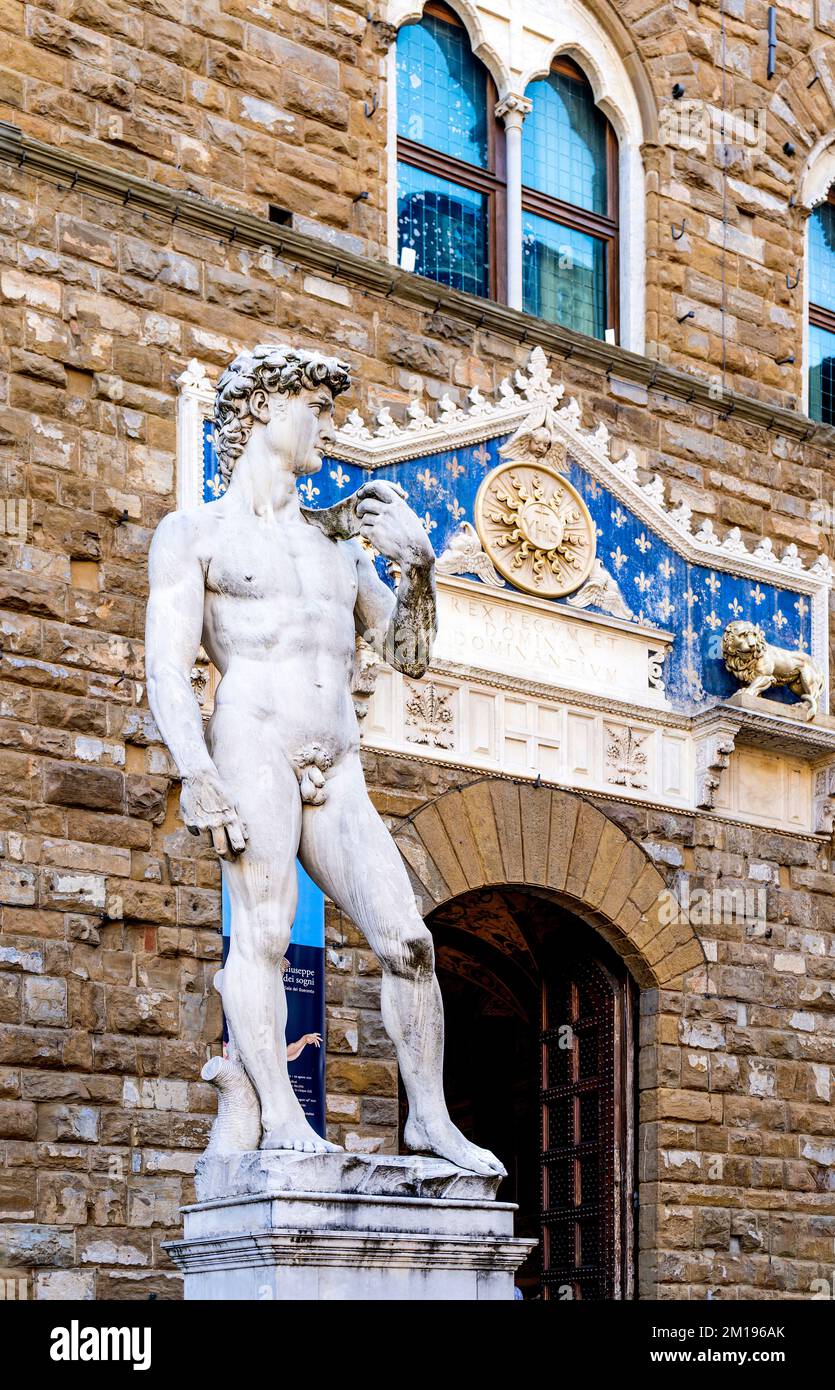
(276, 594)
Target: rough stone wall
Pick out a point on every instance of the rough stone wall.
(250, 103)
(109, 929)
(286, 104)
(737, 1138)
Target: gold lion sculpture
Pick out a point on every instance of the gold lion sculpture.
(756, 663)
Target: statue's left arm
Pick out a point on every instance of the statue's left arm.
(400, 627)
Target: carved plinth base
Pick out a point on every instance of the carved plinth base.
(292, 1226)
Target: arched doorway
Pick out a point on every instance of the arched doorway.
(539, 1067)
(598, 924)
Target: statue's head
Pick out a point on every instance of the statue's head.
(288, 391)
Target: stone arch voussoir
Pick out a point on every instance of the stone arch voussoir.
(496, 831)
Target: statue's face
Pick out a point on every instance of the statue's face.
(298, 428)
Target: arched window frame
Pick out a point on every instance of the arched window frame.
(621, 88)
(603, 228)
(817, 187)
(490, 181)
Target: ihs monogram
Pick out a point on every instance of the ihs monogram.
(536, 529)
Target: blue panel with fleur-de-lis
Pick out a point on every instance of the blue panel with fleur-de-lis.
(695, 602)
(660, 587)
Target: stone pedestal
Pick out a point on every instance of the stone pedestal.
(290, 1226)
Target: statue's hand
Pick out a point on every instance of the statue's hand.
(205, 805)
(392, 527)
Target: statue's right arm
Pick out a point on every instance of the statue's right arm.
(173, 629)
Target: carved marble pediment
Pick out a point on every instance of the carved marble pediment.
(647, 564)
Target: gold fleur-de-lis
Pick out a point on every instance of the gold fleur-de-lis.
(666, 568)
(735, 607)
(619, 558)
(339, 476)
(666, 609)
(780, 620)
(801, 608)
(481, 455)
(619, 516)
(427, 479)
(427, 522)
(643, 543)
(690, 597)
(757, 595)
(308, 491)
(713, 583)
(456, 510)
(454, 467)
(643, 581)
(713, 620)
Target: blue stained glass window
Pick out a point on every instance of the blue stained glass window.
(564, 143)
(564, 275)
(821, 375)
(446, 225)
(822, 256)
(441, 90)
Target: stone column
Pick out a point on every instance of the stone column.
(512, 110)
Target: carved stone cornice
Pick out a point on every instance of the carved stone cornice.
(525, 395)
(200, 214)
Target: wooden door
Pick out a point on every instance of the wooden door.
(587, 1159)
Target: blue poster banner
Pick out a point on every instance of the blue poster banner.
(304, 987)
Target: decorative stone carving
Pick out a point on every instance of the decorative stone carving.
(367, 667)
(519, 404)
(824, 800)
(429, 716)
(655, 667)
(757, 664)
(464, 554)
(601, 590)
(200, 681)
(537, 441)
(276, 774)
(626, 758)
(713, 753)
(536, 529)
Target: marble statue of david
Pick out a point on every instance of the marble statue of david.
(277, 594)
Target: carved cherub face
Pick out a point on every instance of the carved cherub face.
(540, 441)
(298, 427)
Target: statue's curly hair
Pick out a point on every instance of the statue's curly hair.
(270, 368)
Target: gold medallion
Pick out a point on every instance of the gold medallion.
(536, 528)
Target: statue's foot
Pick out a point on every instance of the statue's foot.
(298, 1135)
(442, 1138)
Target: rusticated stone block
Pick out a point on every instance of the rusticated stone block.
(76, 784)
(146, 798)
(18, 1119)
(150, 1012)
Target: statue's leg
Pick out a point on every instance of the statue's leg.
(262, 889)
(347, 850)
